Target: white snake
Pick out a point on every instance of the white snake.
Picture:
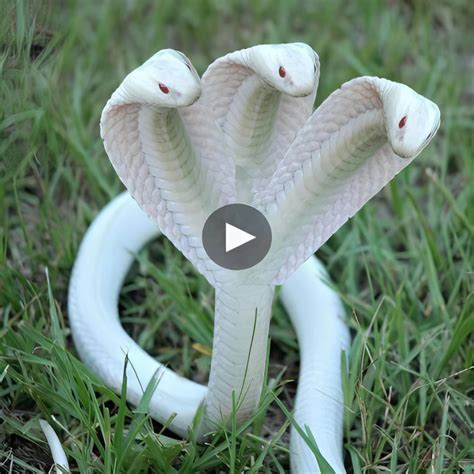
(249, 138)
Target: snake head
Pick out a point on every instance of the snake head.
(290, 68)
(167, 79)
(411, 119)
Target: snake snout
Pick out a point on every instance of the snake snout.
(188, 98)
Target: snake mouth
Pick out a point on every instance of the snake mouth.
(432, 133)
(179, 103)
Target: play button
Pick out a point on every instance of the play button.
(236, 236)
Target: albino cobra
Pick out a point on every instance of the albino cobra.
(249, 138)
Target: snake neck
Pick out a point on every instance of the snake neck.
(168, 131)
(248, 128)
(172, 160)
(242, 318)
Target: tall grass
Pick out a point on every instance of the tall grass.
(403, 265)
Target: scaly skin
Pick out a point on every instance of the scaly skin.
(249, 138)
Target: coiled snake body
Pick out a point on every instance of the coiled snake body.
(245, 133)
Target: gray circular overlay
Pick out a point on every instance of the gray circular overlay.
(245, 218)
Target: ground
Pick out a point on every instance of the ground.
(403, 265)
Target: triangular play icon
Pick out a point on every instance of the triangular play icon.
(235, 237)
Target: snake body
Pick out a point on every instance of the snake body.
(107, 251)
(250, 138)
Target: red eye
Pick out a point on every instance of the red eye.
(282, 71)
(402, 122)
(163, 88)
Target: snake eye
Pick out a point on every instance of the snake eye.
(163, 88)
(188, 66)
(402, 122)
(282, 71)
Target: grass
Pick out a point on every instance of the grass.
(403, 265)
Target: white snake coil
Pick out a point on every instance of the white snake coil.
(245, 133)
